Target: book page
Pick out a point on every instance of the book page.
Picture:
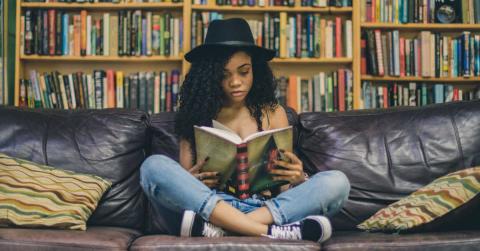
(225, 134)
(221, 152)
(258, 156)
(218, 125)
(262, 133)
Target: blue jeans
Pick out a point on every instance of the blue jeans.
(170, 187)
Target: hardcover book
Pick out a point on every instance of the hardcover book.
(243, 164)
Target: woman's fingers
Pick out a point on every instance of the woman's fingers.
(206, 175)
(196, 168)
(293, 158)
(282, 164)
(281, 172)
(211, 182)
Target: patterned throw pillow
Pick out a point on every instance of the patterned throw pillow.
(33, 195)
(427, 206)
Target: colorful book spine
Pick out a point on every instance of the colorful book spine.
(242, 182)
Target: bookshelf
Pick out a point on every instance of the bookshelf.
(281, 66)
(417, 23)
(67, 64)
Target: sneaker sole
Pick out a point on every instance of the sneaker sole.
(187, 223)
(326, 227)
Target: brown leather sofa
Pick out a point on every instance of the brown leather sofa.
(386, 154)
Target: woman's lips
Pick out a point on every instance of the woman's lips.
(237, 93)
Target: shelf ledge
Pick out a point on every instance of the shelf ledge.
(422, 79)
(336, 10)
(458, 27)
(104, 6)
(102, 58)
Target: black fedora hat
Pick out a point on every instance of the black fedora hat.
(234, 32)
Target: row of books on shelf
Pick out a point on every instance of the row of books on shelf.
(290, 3)
(105, 1)
(130, 33)
(421, 11)
(151, 92)
(325, 91)
(428, 55)
(298, 35)
(376, 95)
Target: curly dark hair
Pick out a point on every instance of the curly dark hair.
(201, 95)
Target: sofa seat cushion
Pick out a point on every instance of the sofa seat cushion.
(439, 241)
(164, 242)
(94, 238)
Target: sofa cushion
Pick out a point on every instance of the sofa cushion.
(95, 238)
(108, 143)
(439, 241)
(33, 195)
(163, 242)
(440, 204)
(388, 154)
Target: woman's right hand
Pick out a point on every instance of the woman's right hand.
(210, 179)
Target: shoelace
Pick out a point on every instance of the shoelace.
(286, 232)
(210, 230)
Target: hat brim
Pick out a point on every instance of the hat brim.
(206, 50)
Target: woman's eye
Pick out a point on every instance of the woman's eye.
(244, 73)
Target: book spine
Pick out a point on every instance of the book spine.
(58, 33)
(51, 32)
(29, 32)
(243, 185)
(83, 38)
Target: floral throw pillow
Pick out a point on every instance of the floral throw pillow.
(451, 195)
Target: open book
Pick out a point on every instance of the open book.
(243, 164)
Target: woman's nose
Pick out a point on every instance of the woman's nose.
(235, 82)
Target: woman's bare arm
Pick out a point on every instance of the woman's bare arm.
(185, 154)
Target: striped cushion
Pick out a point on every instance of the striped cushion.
(33, 195)
(432, 202)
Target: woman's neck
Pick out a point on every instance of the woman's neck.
(231, 111)
(234, 106)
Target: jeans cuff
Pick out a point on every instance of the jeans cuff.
(277, 214)
(208, 205)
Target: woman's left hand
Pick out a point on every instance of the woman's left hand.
(292, 171)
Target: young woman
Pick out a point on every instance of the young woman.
(230, 81)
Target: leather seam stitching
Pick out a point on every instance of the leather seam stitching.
(457, 140)
(389, 160)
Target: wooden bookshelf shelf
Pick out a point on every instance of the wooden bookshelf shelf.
(452, 27)
(103, 58)
(333, 10)
(104, 6)
(314, 60)
(474, 80)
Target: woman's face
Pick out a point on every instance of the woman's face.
(238, 78)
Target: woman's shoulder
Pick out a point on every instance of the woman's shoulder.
(277, 117)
